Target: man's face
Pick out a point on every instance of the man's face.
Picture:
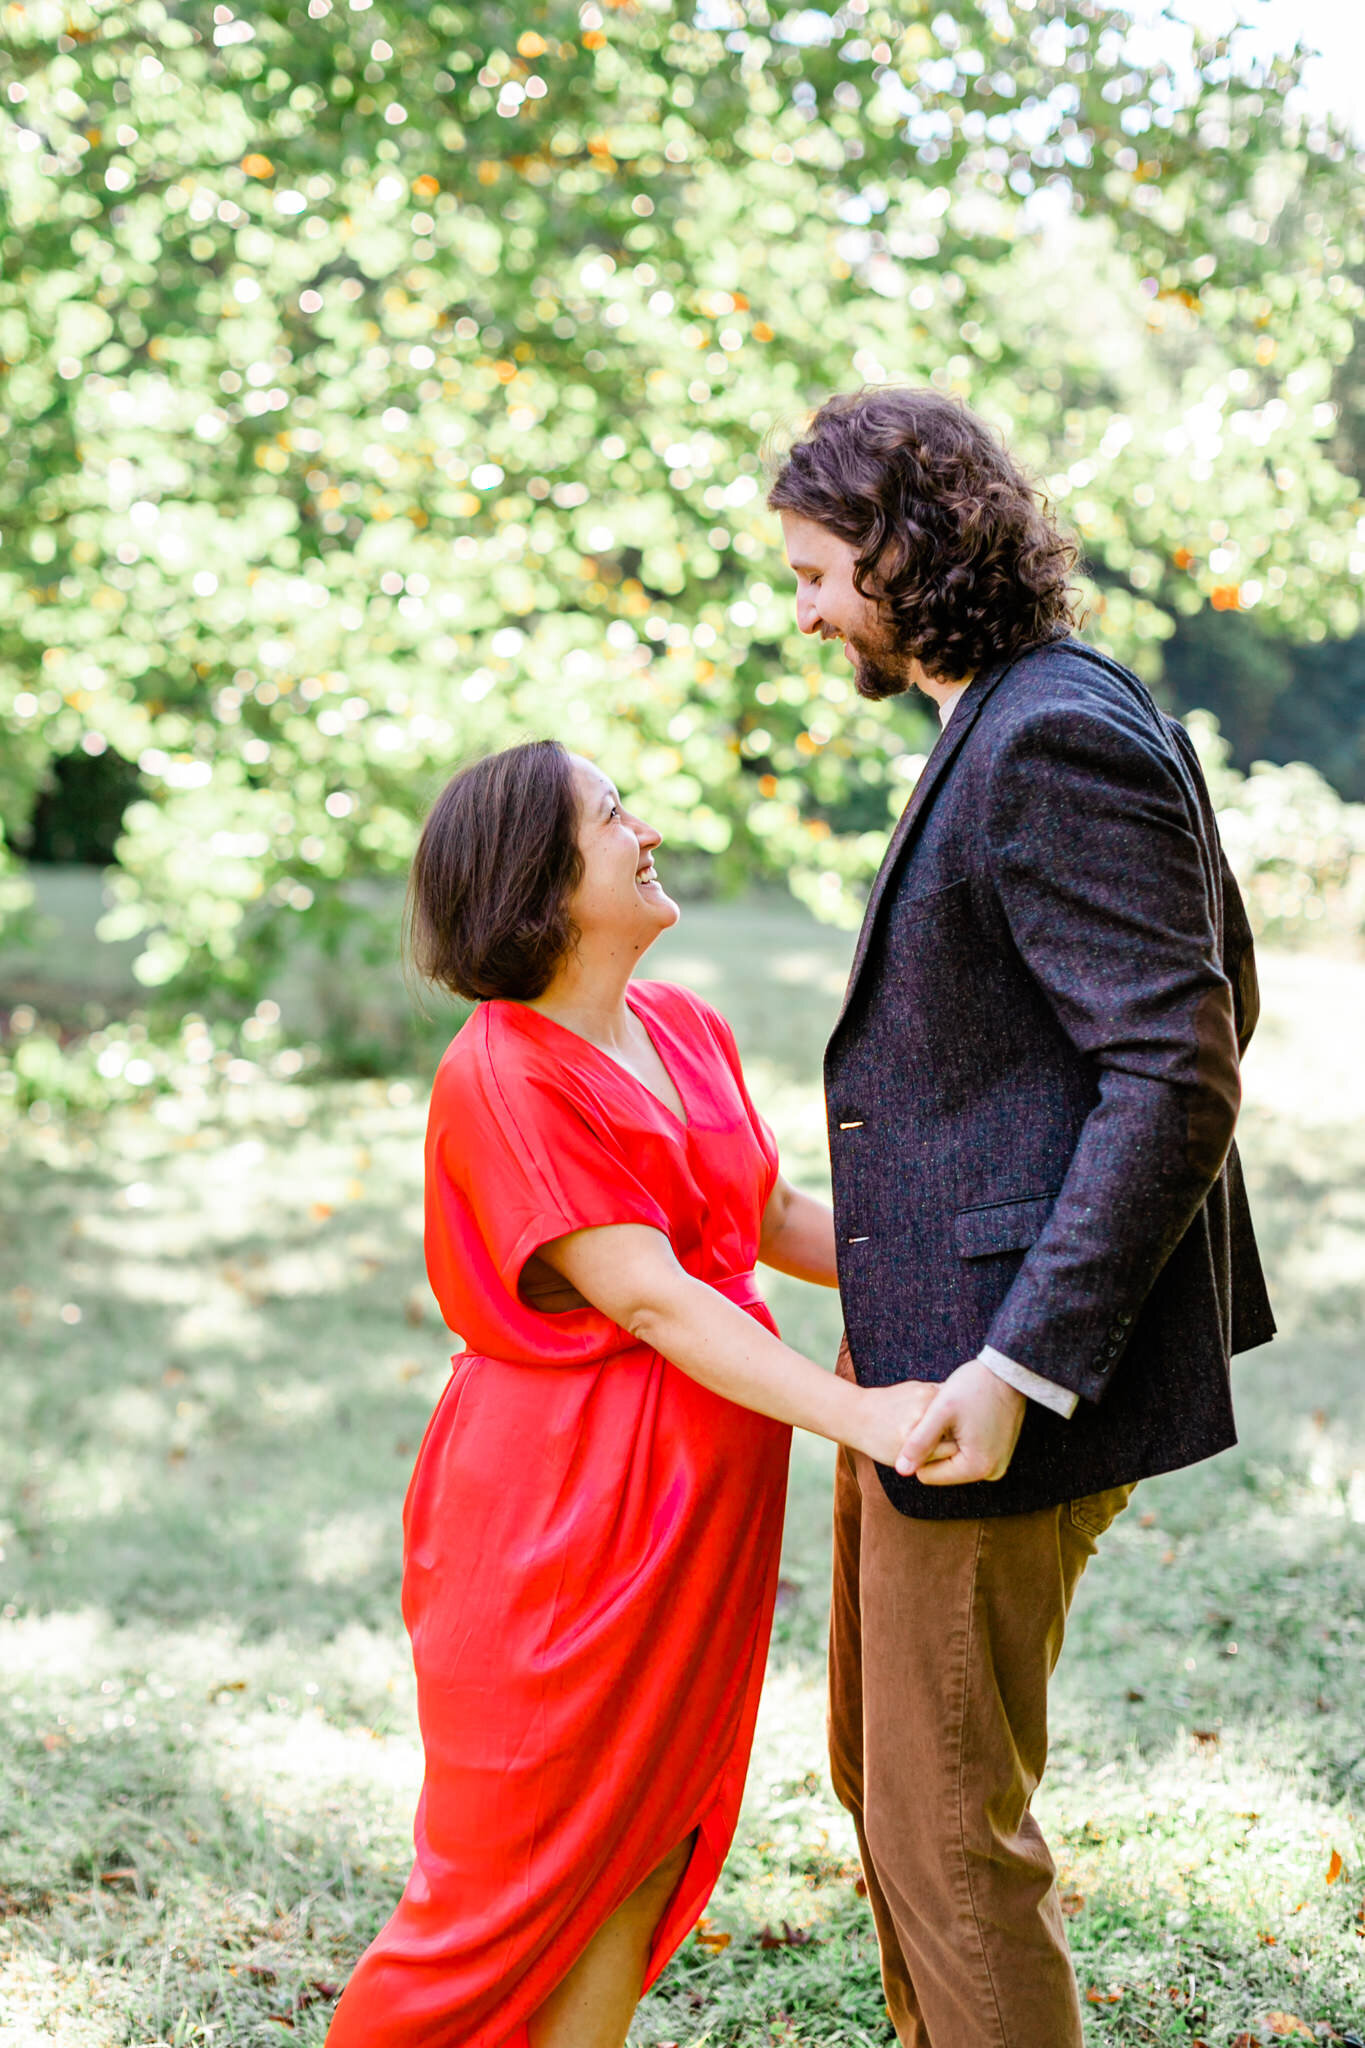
(829, 603)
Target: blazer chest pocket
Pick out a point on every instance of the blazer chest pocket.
(1001, 1226)
(948, 900)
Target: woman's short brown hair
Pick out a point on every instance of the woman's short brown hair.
(498, 860)
(951, 536)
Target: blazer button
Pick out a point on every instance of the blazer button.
(1122, 1318)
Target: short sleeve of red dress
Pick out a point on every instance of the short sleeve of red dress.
(519, 1152)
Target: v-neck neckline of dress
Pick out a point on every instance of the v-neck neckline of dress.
(683, 1122)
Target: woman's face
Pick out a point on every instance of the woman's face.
(619, 901)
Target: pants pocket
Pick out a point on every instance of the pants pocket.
(1093, 1513)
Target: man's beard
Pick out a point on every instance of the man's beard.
(878, 671)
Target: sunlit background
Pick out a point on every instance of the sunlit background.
(383, 382)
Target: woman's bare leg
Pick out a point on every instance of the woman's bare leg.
(594, 2005)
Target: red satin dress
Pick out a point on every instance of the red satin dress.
(591, 1538)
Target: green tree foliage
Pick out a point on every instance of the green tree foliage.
(387, 381)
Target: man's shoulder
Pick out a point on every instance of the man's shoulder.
(1073, 691)
(1071, 671)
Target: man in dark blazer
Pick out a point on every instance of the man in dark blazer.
(1032, 1089)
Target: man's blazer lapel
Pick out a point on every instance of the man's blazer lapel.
(965, 715)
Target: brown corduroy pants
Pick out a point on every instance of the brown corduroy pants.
(943, 1636)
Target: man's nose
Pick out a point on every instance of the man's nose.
(807, 613)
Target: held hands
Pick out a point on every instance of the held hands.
(890, 1415)
(966, 1430)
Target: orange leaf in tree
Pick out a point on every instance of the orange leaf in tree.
(1182, 558)
(1335, 1867)
(258, 166)
(425, 187)
(320, 1211)
(762, 331)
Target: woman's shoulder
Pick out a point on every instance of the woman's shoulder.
(490, 1056)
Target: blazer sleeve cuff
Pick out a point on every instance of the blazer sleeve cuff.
(1047, 1393)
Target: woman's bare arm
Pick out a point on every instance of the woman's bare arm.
(798, 1236)
(628, 1272)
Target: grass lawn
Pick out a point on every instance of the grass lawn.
(219, 1359)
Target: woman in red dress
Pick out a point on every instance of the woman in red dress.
(593, 1526)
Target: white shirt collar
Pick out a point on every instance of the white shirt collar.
(947, 705)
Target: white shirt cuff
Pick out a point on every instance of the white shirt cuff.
(1060, 1400)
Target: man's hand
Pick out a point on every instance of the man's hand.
(968, 1431)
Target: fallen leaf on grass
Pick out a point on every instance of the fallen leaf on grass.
(23, 1904)
(1335, 1867)
(1284, 2024)
(1209, 1737)
(790, 1937)
(226, 1685)
(120, 1876)
(314, 1992)
(1147, 1520)
(1072, 1903)
(1094, 1997)
(711, 1937)
(319, 1211)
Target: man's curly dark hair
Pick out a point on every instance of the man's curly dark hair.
(952, 538)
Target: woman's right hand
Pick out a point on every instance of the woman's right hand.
(888, 1414)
